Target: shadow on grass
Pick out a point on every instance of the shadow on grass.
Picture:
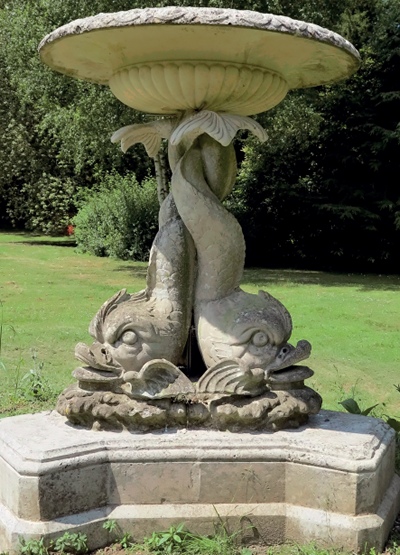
(51, 243)
(364, 282)
(261, 277)
(37, 239)
(136, 269)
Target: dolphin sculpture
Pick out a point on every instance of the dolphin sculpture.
(231, 324)
(248, 332)
(132, 378)
(144, 334)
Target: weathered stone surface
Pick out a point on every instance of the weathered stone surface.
(273, 410)
(289, 378)
(243, 338)
(251, 479)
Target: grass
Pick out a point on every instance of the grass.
(353, 324)
(178, 540)
(49, 294)
(188, 544)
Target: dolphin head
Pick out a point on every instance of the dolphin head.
(253, 328)
(130, 330)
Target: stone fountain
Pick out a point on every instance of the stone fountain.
(203, 72)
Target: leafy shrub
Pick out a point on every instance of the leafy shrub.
(119, 219)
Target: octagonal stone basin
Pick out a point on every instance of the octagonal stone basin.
(167, 60)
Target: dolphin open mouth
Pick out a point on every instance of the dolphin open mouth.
(289, 355)
(97, 357)
(291, 377)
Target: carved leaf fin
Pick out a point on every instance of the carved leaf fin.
(231, 377)
(212, 381)
(155, 379)
(221, 127)
(149, 134)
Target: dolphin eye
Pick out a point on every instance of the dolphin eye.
(259, 339)
(129, 337)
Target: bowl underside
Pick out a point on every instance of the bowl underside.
(167, 88)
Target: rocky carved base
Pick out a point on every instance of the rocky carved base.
(273, 410)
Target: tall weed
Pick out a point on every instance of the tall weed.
(29, 387)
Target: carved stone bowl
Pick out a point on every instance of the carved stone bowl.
(167, 60)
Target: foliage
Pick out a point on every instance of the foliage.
(75, 543)
(392, 548)
(361, 129)
(119, 219)
(47, 206)
(168, 541)
(33, 386)
(176, 540)
(110, 525)
(125, 540)
(220, 543)
(321, 193)
(271, 200)
(71, 543)
(353, 407)
(56, 131)
(33, 547)
(293, 189)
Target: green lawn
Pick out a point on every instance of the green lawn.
(49, 294)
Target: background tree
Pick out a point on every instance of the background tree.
(323, 192)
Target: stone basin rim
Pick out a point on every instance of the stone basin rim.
(205, 16)
(202, 17)
(21, 449)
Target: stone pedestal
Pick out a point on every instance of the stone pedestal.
(332, 482)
